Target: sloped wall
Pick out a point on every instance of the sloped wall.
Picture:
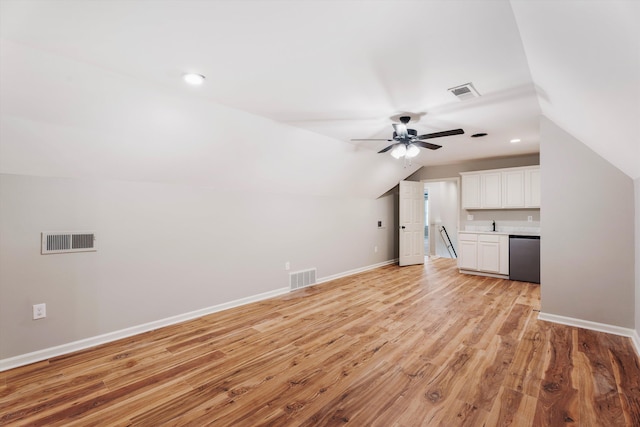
(587, 217)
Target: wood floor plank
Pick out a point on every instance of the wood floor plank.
(626, 364)
(512, 408)
(601, 383)
(395, 346)
(557, 401)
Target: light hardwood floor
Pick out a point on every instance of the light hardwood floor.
(411, 346)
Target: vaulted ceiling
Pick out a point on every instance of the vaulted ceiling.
(94, 88)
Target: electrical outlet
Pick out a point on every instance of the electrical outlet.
(39, 311)
(530, 218)
(469, 217)
(375, 249)
(287, 266)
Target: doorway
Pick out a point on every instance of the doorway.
(426, 221)
(442, 217)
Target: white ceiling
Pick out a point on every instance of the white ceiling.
(345, 69)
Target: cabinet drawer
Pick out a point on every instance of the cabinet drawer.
(488, 238)
(468, 237)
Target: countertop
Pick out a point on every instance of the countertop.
(504, 233)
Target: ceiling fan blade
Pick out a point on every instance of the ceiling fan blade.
(401, 130)
(428, 145)
(440, 134)
(368, 139)
(384, 150)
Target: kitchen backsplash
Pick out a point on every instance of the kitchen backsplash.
(505, 228)
(507, 221)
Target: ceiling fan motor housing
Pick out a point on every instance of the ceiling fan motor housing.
(411, 132)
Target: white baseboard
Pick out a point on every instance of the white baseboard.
(636, 341)
(355, 271)
(594, 326)
(481, 273)
(47, 353)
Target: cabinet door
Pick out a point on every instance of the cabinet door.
(491, 190)
(471, 191)
(513, 189)
(467, 257)
(532, 188)
(504, 255)
(489, 257)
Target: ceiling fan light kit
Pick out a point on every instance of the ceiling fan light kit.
(412, 151)
(399, 151)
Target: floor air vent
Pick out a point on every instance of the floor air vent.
(59, 243)
(302, 279)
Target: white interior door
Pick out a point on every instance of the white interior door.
(411, 223)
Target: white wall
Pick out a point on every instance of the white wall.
(164, 250)
(637, 199)
(587, 246)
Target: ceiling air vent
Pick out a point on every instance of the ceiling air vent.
(465, 91)
(64, 242)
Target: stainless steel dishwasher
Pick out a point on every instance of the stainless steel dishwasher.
(524, 258)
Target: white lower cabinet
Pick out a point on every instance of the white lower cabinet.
(486, 253)
(468, 252)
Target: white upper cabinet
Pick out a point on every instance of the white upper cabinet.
(512, 188)
(491, 190)
(532, 188)
(471, 191)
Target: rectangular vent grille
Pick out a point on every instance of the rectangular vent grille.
(302, 279)
(464, 91)
(59, 243)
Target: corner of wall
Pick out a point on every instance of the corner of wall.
(637, 263)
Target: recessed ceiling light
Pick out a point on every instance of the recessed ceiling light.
(193, 79)
(478, 135)
(515, 140)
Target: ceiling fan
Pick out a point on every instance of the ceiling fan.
(407, 141)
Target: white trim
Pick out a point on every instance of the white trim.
(355, 271)
(482, 273)
(47, 353)
(635, 338)
(594, 326)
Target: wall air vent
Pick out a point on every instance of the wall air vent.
(64, 242)
(302, 279)
(465, 91)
